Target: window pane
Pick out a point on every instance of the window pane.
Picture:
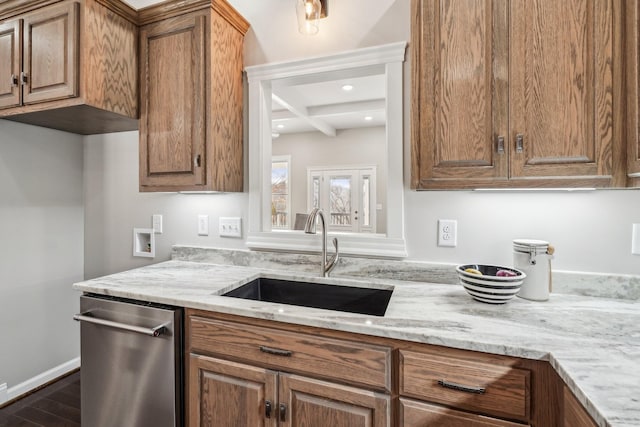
(280, 194)
(340, 200)
(280, 178)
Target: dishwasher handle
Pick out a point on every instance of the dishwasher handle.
(152, 332)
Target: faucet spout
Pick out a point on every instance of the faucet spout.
(310, 228)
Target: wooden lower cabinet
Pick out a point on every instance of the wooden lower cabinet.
(314, 403)
(574, 413)
(229, 394)
(421, 414)
(260, 373)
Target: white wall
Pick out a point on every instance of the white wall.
(41, 249)
(591, 231)
(359, 146)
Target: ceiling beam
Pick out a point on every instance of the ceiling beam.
(301, 111)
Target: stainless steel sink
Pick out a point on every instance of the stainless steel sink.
(351, 299)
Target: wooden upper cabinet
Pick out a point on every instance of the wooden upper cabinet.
(459, 110)
(632, 53)
(561, 90)
(69, 65)
(191, 97)
(10, 44)
(520, 93)
(172, 129)
(50, 69)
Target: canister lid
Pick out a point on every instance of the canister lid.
(530, 243)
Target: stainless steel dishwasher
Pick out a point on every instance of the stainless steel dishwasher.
(131, 363)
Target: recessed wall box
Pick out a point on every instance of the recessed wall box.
(144, 242)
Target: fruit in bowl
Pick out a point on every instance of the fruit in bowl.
(490, 283)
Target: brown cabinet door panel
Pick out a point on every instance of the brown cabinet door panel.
(561, 88)
(10, 45)
(51, 39)
(313, 403)
(574, 413)
(632, 55)
(459, 109)
(420, 414)
(172, 126)
(228, 394)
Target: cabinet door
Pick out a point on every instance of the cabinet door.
(313, 403)
(10, 45)
(51, 53)
(419, 414)
(561, 90)
(172, 88)
(228, 394)
(459, 103)
(632, 55)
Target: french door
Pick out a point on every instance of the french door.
(346, 195)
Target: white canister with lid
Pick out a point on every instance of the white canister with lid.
(534, 258)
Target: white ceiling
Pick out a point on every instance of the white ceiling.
(273, 37)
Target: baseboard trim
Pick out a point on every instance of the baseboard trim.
(38, 381)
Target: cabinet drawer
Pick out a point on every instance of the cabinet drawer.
(487, 388)
(418, 414)
(342, 360)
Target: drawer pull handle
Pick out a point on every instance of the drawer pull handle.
(276, 351)
(460, 387)
(267, 409)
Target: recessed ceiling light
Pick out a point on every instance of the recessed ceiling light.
(347, 87)
(280, 126)
(368, 118)
(274, 135)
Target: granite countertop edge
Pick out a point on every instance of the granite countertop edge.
(599, 332)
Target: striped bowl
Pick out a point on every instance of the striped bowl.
(488, 287)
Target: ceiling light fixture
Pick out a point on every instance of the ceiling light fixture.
(347, 87)
(280, 126)
(368, 118)
(309, 12)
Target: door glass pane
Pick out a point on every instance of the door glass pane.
(340, 200)
(279, 194)
(365, 215)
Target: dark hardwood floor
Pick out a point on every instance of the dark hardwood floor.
(57, 405)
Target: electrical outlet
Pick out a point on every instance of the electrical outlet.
(203, 225)
(447, 232)
(230, 227)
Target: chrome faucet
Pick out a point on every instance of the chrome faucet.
(310, 228)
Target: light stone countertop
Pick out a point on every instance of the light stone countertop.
(593, 343)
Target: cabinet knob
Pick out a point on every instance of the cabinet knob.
(267, 409)
(283, 412)
(24, 77)
(500, 145)
(519, 143)
(14, 80)
(197, 161)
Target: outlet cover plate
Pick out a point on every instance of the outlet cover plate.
(230, 227)
(447, 232)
